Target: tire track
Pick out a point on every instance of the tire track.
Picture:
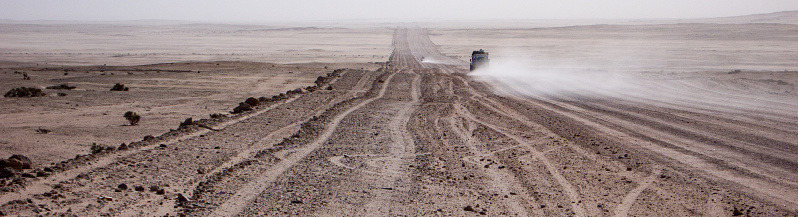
(241, 199)
(401, 146)
(263, 143)
(43, 185)
(783, 196)
(540, 156)
(623, 209)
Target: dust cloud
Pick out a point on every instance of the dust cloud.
(531, 77)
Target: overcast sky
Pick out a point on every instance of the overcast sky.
(395, 10)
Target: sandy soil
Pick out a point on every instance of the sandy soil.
(426, 138)
(163, 94)
(97, 44)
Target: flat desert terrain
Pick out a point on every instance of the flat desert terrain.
(666, 119)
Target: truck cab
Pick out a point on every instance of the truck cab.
(479, 59)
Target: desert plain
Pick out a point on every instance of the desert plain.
(665, 118)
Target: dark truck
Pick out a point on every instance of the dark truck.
(479, 59)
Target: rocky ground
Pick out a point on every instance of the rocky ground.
(423, 138)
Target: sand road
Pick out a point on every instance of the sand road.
(422, 138)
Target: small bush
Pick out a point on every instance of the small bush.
(735, 71)
(24, 92)
(61, 87)
(218, 115)
(42, 131)
(132, 117)
(119, 87)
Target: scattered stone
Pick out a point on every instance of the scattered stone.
(161, 191)
(107, 198)
(154, 188)
(162, 145)
(29, 175)
(296, 201)
(122, 186)
(148, 137)
(737, 212)
(501, 167)
(139, 188)
(182, 199)
(123, 146)
(469, 208)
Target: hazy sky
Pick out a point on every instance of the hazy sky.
(396, 10)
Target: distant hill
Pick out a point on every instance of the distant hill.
(784, 17)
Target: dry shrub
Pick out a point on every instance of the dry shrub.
(132, 117)
(119, 87)
(24, 92)
(61, 87)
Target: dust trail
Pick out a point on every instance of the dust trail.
(719, 91)
(535, 79)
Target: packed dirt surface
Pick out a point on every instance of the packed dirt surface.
(57, 44)
(423, 138)
(164, 95)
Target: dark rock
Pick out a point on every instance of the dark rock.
(26, 162)
(182, 199)
(122, 186)
(154, 188)
(296, 201)
(122, 147)
(737, 212)
(242, 107)
(252, 101)
(187, 122)
(14, 164)
(139, 188)
(6, 172)
(161, 191)
(469, 208)
(148, 137)
(29, 175)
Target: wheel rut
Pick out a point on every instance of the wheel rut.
(242, 197)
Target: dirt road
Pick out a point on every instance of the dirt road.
(421, 138)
